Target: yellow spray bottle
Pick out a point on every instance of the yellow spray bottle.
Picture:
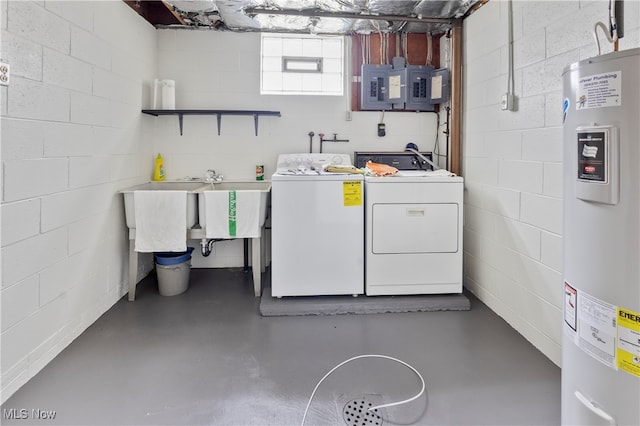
(158, 172)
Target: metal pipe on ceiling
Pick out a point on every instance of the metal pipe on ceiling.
(345, 15)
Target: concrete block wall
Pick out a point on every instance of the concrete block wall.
(227, 76)
(512, 160)
(72, 136)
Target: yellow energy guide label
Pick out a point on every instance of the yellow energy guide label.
(628, 347)
(352, 192)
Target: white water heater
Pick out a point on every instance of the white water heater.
(601, 327)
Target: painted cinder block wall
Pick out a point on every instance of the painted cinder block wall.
(512, 161)
(221, 70)
(71, 137)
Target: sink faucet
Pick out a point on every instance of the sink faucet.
(211, 177)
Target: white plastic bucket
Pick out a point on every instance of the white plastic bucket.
(173, 270)
(173, 279)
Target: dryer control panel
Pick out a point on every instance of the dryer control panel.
(401, 160)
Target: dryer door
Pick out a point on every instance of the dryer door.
(414, 228)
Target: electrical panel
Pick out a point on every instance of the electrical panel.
(375, 87)
(419, 88)
(403, 87)
(439, 86)
(398, 83)
(397, 88)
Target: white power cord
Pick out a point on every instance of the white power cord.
(612, 24)
(392, 404)
(606, 33)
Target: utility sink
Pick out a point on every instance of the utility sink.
(192, 198)
(263, 188)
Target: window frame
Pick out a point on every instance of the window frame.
(328, 79)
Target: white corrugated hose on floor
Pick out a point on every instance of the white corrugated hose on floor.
(376, 407)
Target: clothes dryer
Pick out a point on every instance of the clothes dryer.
(413, 230)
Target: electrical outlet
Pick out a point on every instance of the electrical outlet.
(381, 129)
(349, 115)
(4, 73)
(507, 102)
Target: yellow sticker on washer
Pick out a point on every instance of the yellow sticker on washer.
(628, 347)
(352, 192)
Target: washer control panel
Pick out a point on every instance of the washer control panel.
(400, 160)
(307, 160)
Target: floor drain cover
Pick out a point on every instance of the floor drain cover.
(356, 413)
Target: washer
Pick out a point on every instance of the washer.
(413, 223)
(317, 226)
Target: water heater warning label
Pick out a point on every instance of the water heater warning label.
(597, 328)
(592, 164)
(600, 90)
(570, 303)
(608, 333)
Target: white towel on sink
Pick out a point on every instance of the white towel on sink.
(220, 221)
(161, 220)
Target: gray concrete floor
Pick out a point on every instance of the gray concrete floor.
(207, 357)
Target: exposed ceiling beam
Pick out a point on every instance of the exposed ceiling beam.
(155, 12)
(174, 13)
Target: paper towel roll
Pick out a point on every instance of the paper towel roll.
(168, 94)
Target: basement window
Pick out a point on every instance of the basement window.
(301, 65)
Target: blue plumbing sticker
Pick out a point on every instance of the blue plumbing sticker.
(565, 108)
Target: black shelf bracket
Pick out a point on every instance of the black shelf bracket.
(217, 112)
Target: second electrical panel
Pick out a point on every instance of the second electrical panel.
(419, 88)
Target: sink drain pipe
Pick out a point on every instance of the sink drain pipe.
(206, 246)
